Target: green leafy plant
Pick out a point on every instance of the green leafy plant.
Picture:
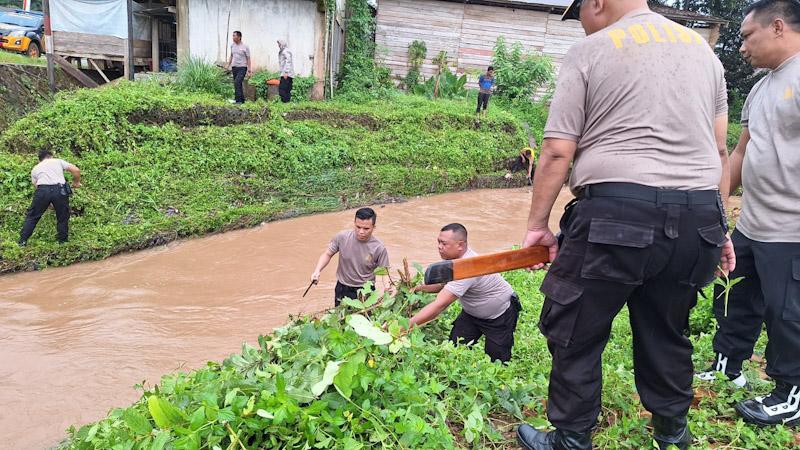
(518, 74)
(360, 76)
(416, 55)
(195, 74)
(727, 284)
(301, 86)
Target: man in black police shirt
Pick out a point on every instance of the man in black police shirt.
(641, 106)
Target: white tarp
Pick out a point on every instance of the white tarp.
(105, 17)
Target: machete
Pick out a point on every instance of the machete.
(459, 269)
(313, 282)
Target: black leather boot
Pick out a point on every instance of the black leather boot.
(669, 431)
(532, 439)
(781, 406)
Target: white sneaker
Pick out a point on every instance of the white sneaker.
(721, 365)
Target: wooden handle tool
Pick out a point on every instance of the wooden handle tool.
(459, 269)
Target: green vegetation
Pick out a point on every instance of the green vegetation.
(416, 56)
(518, 74)
(301, 86)
(15, 58)
(160, 164)
(360, 77)
(340, 381)
(195, 74)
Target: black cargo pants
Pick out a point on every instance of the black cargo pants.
(653, 254)
(499, 332)
(769, 293)
(46, 195)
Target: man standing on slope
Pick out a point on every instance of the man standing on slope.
(641, 106)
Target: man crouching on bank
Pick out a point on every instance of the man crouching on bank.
(490, 307)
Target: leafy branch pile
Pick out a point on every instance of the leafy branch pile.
(346, 381)
(339, 381)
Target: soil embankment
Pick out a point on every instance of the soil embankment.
(24, 88)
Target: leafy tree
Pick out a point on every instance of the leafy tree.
(519, 74)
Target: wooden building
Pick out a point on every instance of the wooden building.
(468, 29)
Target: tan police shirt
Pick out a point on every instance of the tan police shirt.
(49, 172)
(357, 260)
(240, 53)
(640, 98)
(484, 297)
(771, 171)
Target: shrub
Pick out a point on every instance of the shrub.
(518, 74)
(301, 86)
(416, 55)
(195, 74)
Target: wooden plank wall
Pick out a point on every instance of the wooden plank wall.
(97, 46)
(467, 32)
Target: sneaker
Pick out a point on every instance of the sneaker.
(721, 365)
(22, 243)
(530, 438)
(780, 407)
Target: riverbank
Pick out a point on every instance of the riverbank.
(160, 164)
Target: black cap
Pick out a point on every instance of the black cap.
(573, 11)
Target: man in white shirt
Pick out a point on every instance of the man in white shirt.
(51, 189)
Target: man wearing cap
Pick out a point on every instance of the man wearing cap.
(641, 107)
(767, 238)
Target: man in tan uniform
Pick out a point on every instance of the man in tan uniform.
(641, 107)
(51, 189)
(767, 238)
(360, 253)
(490, 308)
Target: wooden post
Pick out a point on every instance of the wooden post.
(48, 46)
(182, 20)
(154, 56)
(129, 59)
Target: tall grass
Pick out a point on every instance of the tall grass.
(196, 74)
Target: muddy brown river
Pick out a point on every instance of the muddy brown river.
(74, 341)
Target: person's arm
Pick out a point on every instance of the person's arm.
(249, 63)
(433, 309)
(554, 162)
(721, 135)
(323, 261)
(230, 61)
(737, 160)
(428, 288)
(76, 175)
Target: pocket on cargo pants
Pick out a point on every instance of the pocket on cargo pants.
(617, 251)
(791, 306)
(560, 310)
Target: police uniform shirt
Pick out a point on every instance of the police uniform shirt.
(49, 172)
(640, 98)
(771, 170)
(484, 297)
(357, 260)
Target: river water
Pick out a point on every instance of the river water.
(74, 341)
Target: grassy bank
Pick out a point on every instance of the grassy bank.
(324, 384)
(159, 164)
(16, 58)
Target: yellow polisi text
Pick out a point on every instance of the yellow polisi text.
(647, 33)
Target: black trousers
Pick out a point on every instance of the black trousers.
(499, 332)
(42, 199)
(652, 256)
(483, 101)
(285, 89)
(769, 293)
(342, 290)
(238, 82)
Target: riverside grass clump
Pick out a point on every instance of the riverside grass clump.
(148, 180)
(353, 379)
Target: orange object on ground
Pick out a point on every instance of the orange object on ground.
(274, 82)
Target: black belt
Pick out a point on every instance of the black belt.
(649, 194)
(49, 186)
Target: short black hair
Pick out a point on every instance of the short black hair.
(44, 154)
(366, 214)
(238, 33)
(490, 68)
(765, 11)
(459, 230)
